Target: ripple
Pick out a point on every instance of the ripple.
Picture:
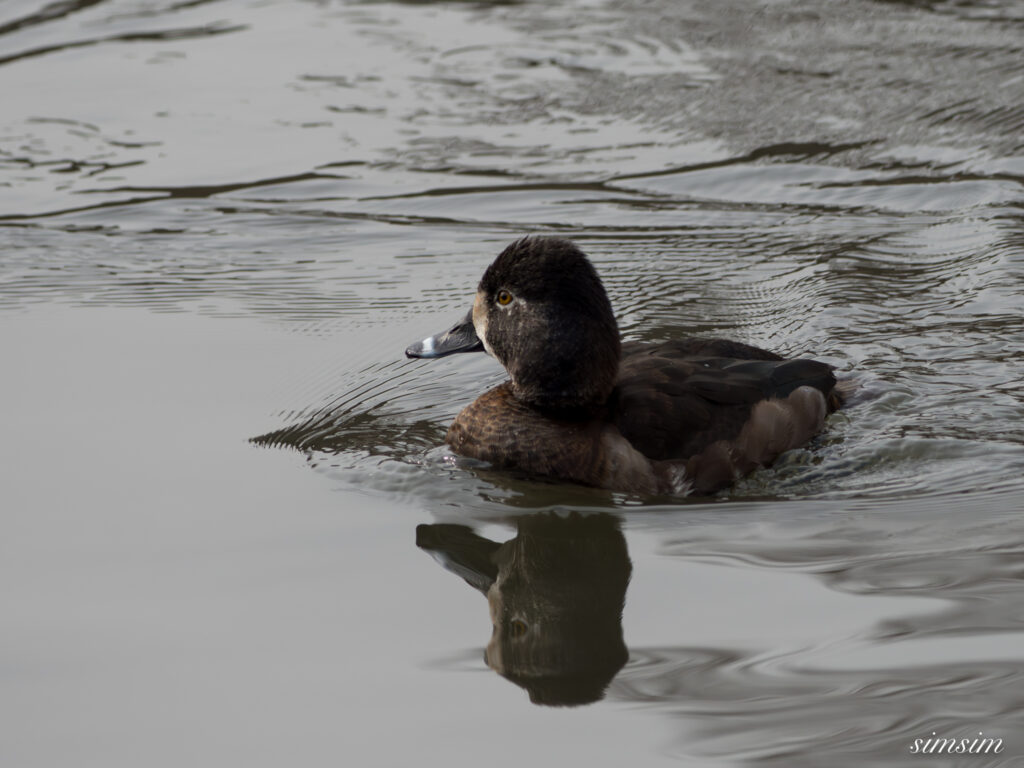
(752, 713)
(893, 252)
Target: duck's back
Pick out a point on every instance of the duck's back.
(675, 399)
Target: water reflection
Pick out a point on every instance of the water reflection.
(556, 593)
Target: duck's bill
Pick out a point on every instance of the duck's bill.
(459, 338)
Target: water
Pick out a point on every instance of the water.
(231, 532)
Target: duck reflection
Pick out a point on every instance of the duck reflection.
(556, 593)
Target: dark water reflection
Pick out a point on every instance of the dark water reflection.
(555, 594)
(226, 219)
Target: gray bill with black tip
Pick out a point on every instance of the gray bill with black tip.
(461, 337)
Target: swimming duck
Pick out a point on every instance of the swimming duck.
(678, 417)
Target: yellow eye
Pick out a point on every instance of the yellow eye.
(504, 298)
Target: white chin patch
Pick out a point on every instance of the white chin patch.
(428, 345)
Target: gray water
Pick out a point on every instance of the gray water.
(230, 533)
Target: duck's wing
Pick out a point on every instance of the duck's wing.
(671, 404)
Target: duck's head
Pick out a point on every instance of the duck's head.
(542, 311)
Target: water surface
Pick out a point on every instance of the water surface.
(225, 220)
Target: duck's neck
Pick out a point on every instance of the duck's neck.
(571, 373)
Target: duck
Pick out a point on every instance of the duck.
(674, 418)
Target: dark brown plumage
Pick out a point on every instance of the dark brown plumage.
(677, 417)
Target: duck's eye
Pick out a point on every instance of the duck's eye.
(518, 628)
(504, 297)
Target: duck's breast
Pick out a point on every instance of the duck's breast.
(499, 429)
